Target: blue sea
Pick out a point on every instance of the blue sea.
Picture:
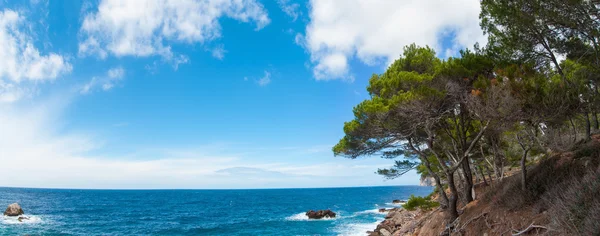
(199, 212)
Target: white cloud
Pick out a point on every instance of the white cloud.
(22, 65)
(38, 150)
(143, 28)
(376, 31)
(106, 82)
(218, 52)
(290, 9)
(265, 80)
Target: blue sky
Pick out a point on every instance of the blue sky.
(201, 94)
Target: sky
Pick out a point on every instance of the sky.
(211, 94)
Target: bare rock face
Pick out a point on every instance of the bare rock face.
(13, 210)
(397, 222)
(320, 214)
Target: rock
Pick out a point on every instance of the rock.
(397, 201)
(320, 214)
(382, 210)
(13, 210)
(22, 218)
(384, 232)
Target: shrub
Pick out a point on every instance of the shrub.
(425, 203)
(575, 205)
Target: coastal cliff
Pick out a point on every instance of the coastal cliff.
(427, 181)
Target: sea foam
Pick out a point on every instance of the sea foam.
(372, 211)
(355, 229)
(15, 219)
(303, 217)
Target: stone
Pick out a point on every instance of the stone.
(384, 232)
(320, 214)
(22, 218)
(382, 210)
(398, 201)
(14, 210)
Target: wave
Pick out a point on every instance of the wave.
(15, 219)
(355, 229)
(395, 204)
(303, 217)
(372, 211)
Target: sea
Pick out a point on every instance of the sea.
(199, 212)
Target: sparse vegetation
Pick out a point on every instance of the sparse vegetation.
(424, 203)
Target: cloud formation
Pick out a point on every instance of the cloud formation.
(290, 9)
(38, 150)
(265, 80)
(134, 28)
(22, 64)
(106, 82)
(375, 32)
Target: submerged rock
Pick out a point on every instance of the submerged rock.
(14, 210)
(382, 210)
(320, 214)
(22, 218)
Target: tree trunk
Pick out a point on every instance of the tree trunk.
(489, 174)
(440, 187)
(442, 192)
(574, 130)
(524, 170)
(588, 125)
(438, 181)
(468, 180)
(453, 199)
(482, 175)
(596, 124)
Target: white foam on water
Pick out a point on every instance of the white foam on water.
(15, 219)
(372, 211)
(395, 204)
(303, 217)
(355, 229)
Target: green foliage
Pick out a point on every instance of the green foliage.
(491, 107)
(424, 203)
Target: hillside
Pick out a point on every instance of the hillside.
(562, 199)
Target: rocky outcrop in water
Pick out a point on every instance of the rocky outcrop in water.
(320, 214)
(397, 201)
(14, 210)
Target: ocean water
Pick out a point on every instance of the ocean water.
(199, 212)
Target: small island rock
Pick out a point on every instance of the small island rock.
(14, 210)
(397, 201)
(320, 214)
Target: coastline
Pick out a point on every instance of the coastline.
(400, 221)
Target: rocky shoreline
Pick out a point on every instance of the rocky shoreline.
(399, 221)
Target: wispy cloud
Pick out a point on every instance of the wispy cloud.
(105, 82)
(218, 52)
(290, 9)
(34, 141)
(265, 80)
